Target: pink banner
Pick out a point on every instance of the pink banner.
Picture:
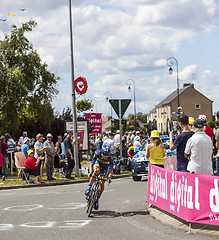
(95, 119)
(192, 197)
(171, 163)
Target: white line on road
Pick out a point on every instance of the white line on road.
(23, 208)
(67, 206)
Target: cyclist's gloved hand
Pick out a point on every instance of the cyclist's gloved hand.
(91, 173)
(109, 180)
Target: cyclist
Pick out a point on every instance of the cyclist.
(103, 164)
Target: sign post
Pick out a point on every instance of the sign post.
(120, 106)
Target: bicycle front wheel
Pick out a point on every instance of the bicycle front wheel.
(92, 198)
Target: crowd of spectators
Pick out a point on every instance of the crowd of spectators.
(194, 144)
(38, 153)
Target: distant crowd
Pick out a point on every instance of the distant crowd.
(195, 144)
(38, 153)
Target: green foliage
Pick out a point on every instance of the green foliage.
(83, 105)
(26, 86)
(212, 124)
(141, 116)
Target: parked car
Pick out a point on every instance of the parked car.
(139, 163)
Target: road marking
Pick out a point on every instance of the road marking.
(111, 190)
(39, 224)
(75, 223)
(4, 227)
(69, 206)
(23, 208)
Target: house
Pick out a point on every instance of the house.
(191, 102)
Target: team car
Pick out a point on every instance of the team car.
(139, 163)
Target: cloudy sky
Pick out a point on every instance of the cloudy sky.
(119, 40)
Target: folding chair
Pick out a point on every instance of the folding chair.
(19, 163)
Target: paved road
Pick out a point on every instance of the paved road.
(50, 213)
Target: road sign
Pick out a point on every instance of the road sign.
(120, 106)
(124, 105)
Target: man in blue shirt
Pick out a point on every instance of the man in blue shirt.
(25, 146)
(180, 143)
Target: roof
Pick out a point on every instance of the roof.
(173, 96)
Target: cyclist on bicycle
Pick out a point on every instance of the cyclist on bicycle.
(103, 164)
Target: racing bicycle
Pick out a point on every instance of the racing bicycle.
(92, 197)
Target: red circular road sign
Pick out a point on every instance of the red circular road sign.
(80, 85)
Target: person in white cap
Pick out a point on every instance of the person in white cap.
(137, 143)
(117, 144)
(137, 135)
(199, 150)
(21, 140)
(49, 156)
(207, 129)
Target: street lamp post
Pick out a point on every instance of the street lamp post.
(73, 97)
(170, 64)
(108, 95)
(129, 83)
(94, 100)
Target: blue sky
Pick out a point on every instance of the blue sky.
(127, 39)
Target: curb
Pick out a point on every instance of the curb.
(58, 183)
(179, 224)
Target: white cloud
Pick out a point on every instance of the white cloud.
(117, 40)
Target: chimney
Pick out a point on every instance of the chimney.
(188, 85)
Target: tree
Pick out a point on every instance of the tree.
(26, 86)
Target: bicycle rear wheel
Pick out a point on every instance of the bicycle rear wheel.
(93, 197)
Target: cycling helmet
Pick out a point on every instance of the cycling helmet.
(105, 150)
(202, 117)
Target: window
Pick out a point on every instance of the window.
(197, 106)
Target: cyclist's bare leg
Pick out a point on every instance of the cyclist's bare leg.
(101, 188)
(95, 174)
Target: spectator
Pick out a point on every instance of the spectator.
(63, 147)
(217, 146)
(137, 143)
(129, 140)
(180, 143)
(217, 116)
(99, 143)
(137, 135)
(58, 152)
(49, 156)
(110, 143)
(155, 150)
(25, 146)
(69, 154)
(11, 150)
(199, 150)
(191, 121)
(39, 151)
(132, 136)
(105, 136)
(4, 148)
(1, 164)
(117, 139)
(131, 152)
(207, 129)
(21, 140)
(31, 166)
(117, 144)
(92, 146)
